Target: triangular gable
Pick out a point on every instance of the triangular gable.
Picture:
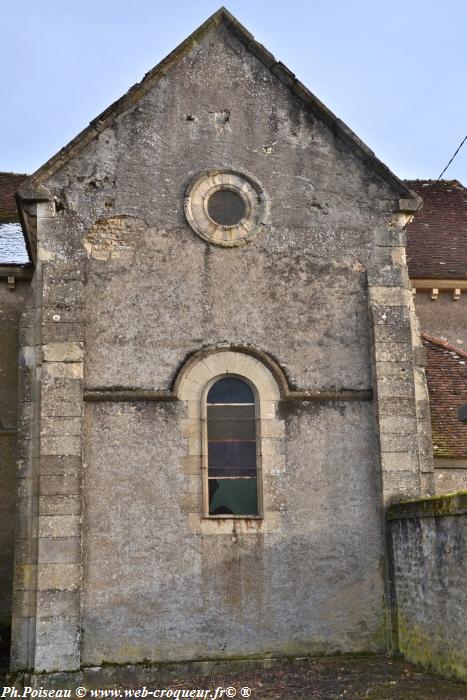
(33, 190)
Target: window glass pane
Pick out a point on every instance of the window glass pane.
(230, 390)
(231, 446)
(231, 430)
(233, 497)
(231, 411)
(226, 207)
(232, 454)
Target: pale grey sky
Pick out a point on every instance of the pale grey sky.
(393, 70)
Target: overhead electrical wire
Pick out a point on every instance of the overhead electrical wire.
(437, 180)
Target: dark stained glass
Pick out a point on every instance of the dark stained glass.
(231, 411)
(230, 390)
(232, 454)
(226, 208)
(233, 497)
(232, 458)
(235, 429)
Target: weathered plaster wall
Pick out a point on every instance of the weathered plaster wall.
(443, 318)
(428, 542)
(325, 207)
(450, 475)
(310, 314)
(297, 293)
(11, 306)
(129, 289)
(155, 590)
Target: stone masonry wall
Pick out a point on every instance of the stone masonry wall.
(126, 292)
(428, 540)
(443, 318)
(450, 475)
(46, 604)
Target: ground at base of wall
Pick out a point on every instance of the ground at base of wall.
(355, 678)
(330, 678)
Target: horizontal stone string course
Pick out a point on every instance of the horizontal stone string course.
(299, 395)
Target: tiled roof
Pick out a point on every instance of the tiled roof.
(446, 374)
(9, 184)
(437, 237)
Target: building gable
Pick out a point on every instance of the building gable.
(139, 309)
(220, 23)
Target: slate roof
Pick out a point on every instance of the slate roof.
(437, 237)
(12, 245)
(446, 374)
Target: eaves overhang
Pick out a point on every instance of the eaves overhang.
(456, 287)
(27, 198)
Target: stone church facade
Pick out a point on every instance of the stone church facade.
(222, 380)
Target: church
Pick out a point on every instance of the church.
(222, 381)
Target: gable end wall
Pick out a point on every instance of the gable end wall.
(125, 293)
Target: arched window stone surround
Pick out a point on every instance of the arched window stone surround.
(190, 387)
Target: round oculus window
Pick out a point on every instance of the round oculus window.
(225, 207)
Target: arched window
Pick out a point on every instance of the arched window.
(231, 449)
(232, 462)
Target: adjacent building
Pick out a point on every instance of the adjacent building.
(437, 261)
(15, 275)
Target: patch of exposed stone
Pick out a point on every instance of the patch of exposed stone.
(108, 238)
